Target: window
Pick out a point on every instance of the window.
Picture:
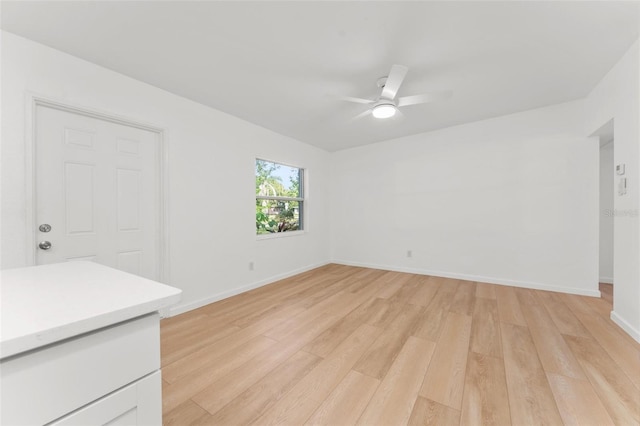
(279, 197)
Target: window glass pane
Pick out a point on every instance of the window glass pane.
(277, 216)
(277, 180)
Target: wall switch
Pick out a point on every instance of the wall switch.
(622, 186)
(251, 266)
(409, 253)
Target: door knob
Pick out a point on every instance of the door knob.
(45, 245)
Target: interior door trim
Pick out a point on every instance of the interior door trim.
(32, 102)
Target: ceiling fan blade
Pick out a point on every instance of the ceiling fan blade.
(391, 86)
(356, 100)
(361, 115)
(424, 98)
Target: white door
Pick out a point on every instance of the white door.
(97, 189)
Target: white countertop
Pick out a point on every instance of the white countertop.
(40, 305)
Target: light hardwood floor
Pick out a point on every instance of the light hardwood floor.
(342, 345)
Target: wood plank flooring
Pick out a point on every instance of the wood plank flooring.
(341, 345)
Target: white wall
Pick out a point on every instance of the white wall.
(211, 163)
(616, 97)
(606, 213)
(511, 200)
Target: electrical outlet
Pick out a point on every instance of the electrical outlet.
(409, 253)
(251, 266)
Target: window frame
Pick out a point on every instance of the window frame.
(301, 200)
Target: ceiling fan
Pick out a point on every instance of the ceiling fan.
(386, 105)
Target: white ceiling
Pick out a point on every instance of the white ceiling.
(277, 64)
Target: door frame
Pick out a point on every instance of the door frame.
(32, 102)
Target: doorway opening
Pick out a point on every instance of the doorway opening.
(606, 210)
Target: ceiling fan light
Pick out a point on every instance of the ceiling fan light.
(384, 111)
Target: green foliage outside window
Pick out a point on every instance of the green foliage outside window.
(279, 198)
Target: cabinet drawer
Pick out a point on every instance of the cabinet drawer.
(45, 384)
(139, 403)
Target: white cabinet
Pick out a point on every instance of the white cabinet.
(121, 361)
(80, 345)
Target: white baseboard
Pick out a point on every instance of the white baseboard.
(628, 328)
(606, 280)
(491, 280)
(179, 309)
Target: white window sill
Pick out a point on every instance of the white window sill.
(280, 235)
